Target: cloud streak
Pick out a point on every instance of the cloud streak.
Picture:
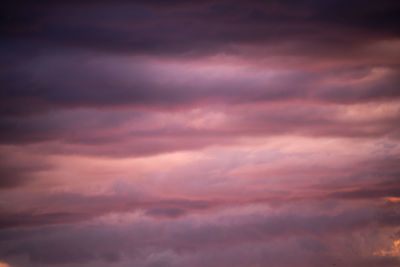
(199, 133)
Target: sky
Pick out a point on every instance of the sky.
(200, 133)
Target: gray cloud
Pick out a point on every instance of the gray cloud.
(307, 237)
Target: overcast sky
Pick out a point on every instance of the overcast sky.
(200, 133)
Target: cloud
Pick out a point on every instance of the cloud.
(124, 133)
(166, 212)
(18, 170)
(158, 28)
(68, 80)
(69, 208)
(151, 55)
(199, 133)
(307, 235)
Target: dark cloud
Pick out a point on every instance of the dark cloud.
(368, 193)
(166, 212)
(36, 77)
(182, 27)
(64, 208)
(16, 172)
(312, 234)
(11, 178)
(65, 80)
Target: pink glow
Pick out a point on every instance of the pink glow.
(211, 133)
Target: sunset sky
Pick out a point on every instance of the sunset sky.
(210, 133)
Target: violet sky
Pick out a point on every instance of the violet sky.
(200, 133)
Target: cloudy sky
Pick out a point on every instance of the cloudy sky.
(200, 133)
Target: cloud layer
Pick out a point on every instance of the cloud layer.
(200, 133)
